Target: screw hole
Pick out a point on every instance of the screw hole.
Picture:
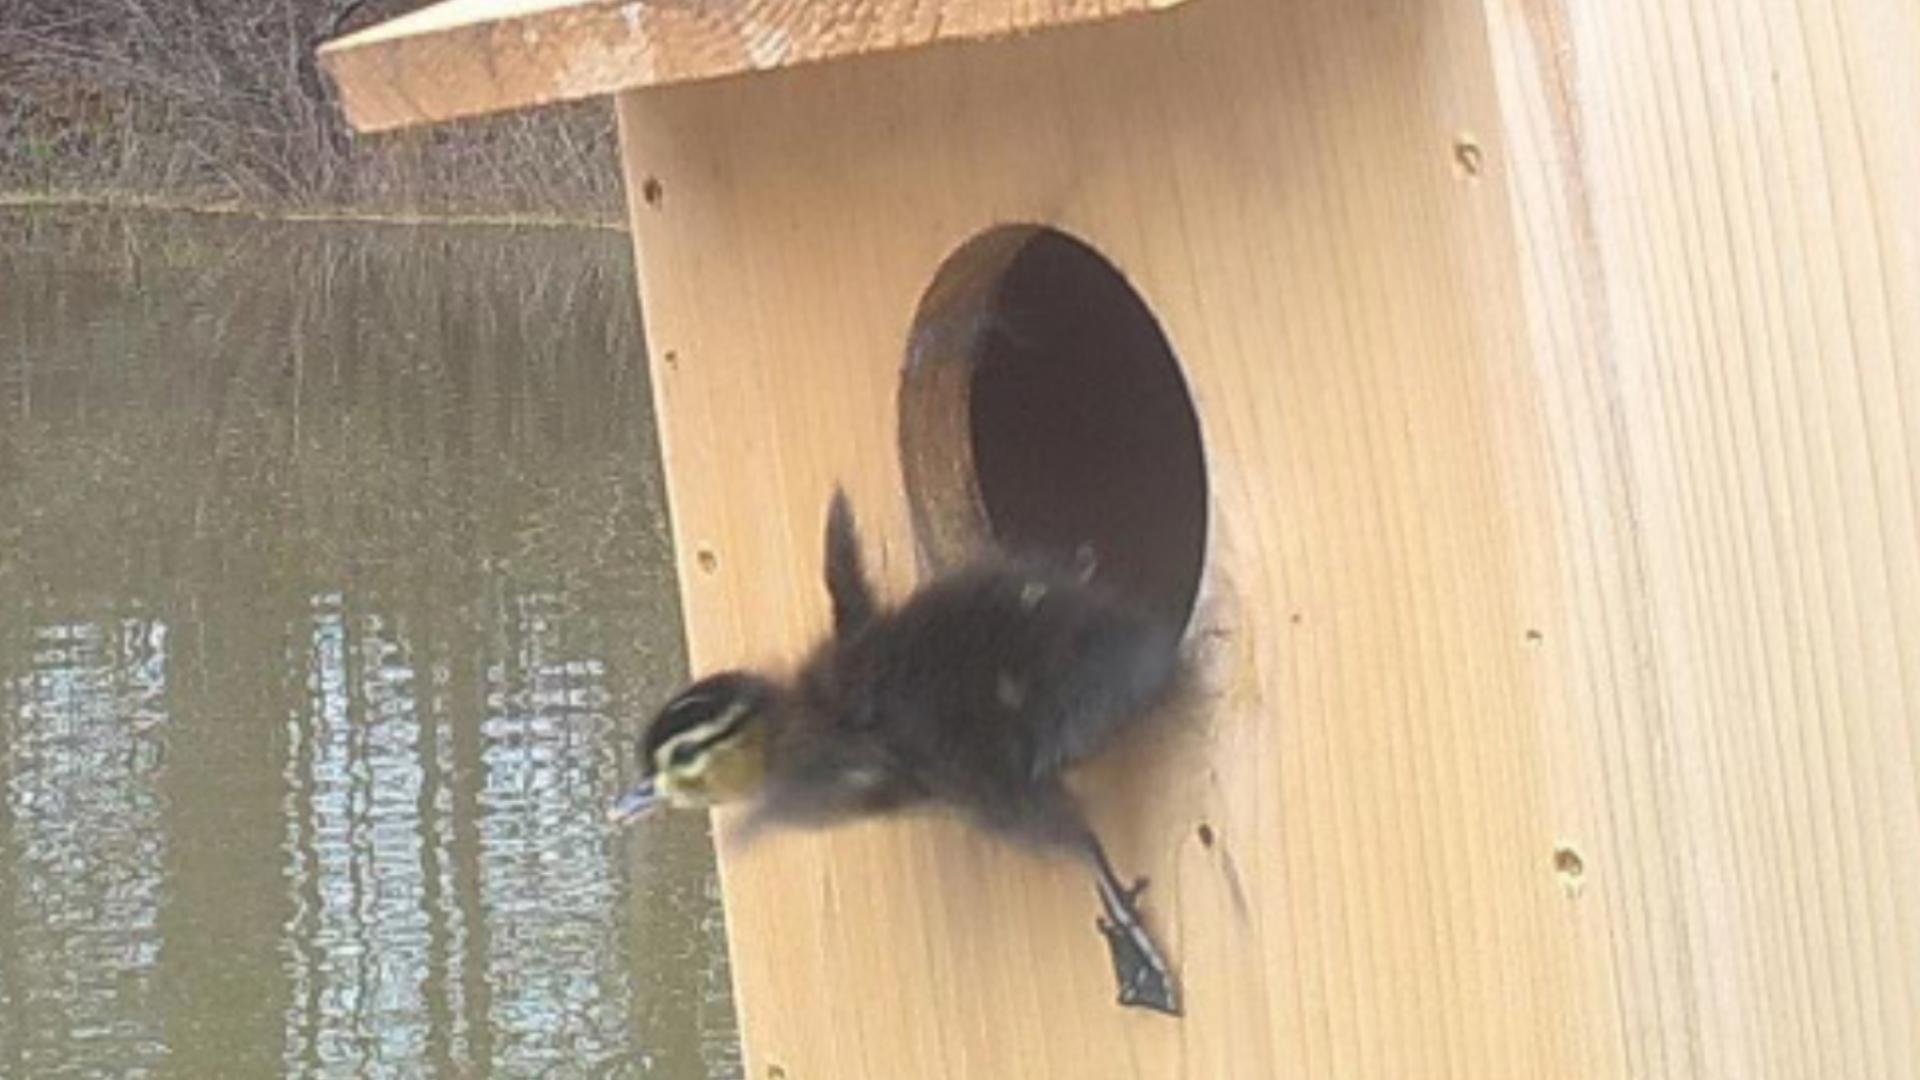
(709, 562)
(1571, 869)
(652, 191)
(1468, 157)
(1205, 832)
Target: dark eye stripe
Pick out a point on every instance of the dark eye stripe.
(716, 738)
(685, 753)
(681, 715)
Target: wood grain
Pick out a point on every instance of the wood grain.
(1278, 180)
(467, 57)
(1558, 375)
(1719, 248)
(1559, 370)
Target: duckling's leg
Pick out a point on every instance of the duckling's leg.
(1144, 977)
(1046, 818)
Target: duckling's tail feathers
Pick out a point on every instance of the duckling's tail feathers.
(853, 601)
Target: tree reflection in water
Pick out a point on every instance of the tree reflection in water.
(333, 569)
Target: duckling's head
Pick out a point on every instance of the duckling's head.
(703, 748)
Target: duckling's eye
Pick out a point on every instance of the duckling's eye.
(682, 755)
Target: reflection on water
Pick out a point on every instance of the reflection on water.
(332, 574)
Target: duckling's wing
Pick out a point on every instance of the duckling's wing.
(1104, 666)
(1009, 670)
(853, 600)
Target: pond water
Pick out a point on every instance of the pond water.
(333, 578)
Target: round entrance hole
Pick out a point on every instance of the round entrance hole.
(1042, 408)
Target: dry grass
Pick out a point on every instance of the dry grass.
(220, 102)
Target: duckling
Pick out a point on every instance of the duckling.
(974, 695)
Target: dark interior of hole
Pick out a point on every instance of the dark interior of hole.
(1083, 433)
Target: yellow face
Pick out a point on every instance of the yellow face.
(719, 761)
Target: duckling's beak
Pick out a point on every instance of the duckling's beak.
(635, 803)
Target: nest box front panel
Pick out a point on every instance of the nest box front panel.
(1351, 839)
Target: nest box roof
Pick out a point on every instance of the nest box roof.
(466, 57)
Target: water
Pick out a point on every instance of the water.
(333, 574)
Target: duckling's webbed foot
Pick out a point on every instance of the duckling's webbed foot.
(1048, 819)
(1144, 979)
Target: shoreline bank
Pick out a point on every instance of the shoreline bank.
(128, 201)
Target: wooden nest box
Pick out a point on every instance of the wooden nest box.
(1522, 396)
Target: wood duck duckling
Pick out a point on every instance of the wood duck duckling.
(973, 695)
